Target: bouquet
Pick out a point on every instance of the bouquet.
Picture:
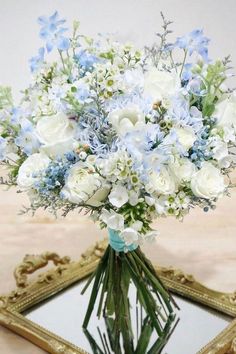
(126, 135)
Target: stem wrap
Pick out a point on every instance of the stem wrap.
(117, 243)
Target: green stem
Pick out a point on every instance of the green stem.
(62, 60)
(112, 280)
(184, 60)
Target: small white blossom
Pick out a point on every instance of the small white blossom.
(118, 196)
(130, 236)
(112, 219)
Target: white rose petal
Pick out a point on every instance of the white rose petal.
(29, 171)
(160, 84)
(183, 169)
(225, 112)
(126, 119)
(118, 196)
(56, 134)
(186, 137)
(84, 185)
(208, 182)
(162, 182)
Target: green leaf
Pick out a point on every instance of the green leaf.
(5, 97)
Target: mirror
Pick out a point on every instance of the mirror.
(63, 315)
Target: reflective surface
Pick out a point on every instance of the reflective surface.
(63, 315)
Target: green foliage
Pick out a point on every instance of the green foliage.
(5, 97)
(216, 75)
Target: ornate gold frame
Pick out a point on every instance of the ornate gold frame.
(66, 273)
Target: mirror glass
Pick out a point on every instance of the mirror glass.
(63, 315)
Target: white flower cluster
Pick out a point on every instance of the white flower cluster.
(122, 133)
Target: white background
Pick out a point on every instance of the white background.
(136, 20)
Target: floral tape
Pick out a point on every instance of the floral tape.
(117, 243)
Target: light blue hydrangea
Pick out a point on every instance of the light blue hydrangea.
(52, 32)
(27, 138)
(181, 114)
(83, 93)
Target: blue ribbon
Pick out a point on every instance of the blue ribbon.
(117, 243)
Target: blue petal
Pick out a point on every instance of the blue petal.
(49, 46)
(63, 43)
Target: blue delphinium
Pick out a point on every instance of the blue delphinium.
(37, 61)
(53, 32)
(187, 72)
(194, 41)
(27, 138)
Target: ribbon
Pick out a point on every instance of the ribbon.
(117, 243)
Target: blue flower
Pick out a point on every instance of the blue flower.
(54, 177)
(37, 61)
(187, 72)
(27, 138)
(183, 115)
(194, 41)
(82, 94)
(52, 32)
(86, 60)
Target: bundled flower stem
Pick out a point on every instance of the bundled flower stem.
(112, 279)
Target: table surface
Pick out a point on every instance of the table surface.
(204, 245)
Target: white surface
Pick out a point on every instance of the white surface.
(135, 20)
(64, 315)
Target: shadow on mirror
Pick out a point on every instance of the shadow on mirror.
(63, 314)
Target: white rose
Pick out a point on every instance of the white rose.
(84, 185)
(183, 169)
(186, 137)
(118, 196)
(126, 119)
(129, 235)
(162, 182)
(56, 134)
(208, 182)
(225, 112)
(160, 84)
(112, 219)
(29, 171)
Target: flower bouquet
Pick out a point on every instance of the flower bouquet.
(126, 135)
